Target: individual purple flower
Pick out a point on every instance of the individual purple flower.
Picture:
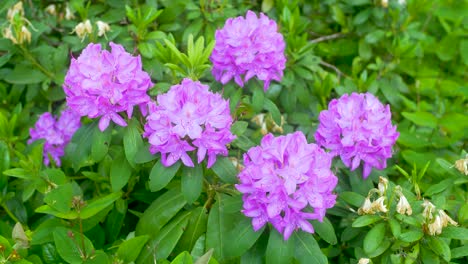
(189, 117)
(102, 84)
(247, 47)
(287, 182)
(57, 133)
(358, 128)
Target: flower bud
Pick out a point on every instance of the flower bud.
(435, 228)
(8, 34)
(462, 165)
(403, 207)
(16, 9)
(445, 219)
(25, 35)
(83, 29)
(379, 205)
(69, 14)
(51, 10)
(366, 208)
(383, 185)
(364, 261)
(428, 210)
(384, 3)
(102, 28)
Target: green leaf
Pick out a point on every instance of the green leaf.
(225, 170)
(421, 118)
(454, 232)
(101, 141)
(307, 249)
(161, 175)
(195, 228)
(19, 173)
(23, 74)
(183, 258)
(278, 250)
(325, 230)
(366, 220)
(120, 172)
(94, 207)
(459, 252)
(352, 198)
(143, 154)
(192, 182)
(60, 198)
(98, 257)
(132, 141)
(257, 98)
(273, 109)
(395, 227)
(240, 238)
(411, 236)
(374, 238)
(79, 149)
(160, 212)
(439, 187)
(68, 244)
(239, 127)
(114, 222)
(165, 241)
(130, 249)
(374, 36)
(439, 247)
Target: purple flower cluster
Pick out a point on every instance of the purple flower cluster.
(186, 118)
(103, 83)
(287, 182)
(358, 127)
(248, 47)
(57, 133)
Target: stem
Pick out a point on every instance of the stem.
(33, 60)
(328, 37)
(82, 237)
(10, 214)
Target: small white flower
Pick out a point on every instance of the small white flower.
(102, 28)
(462, 165)
(435, 228)
(83, 29)
(364, 261)
(428, 210)
(384, 3)
(403, 206)
(366, 208)
(16, 9)
(69, 14)
(379, 205)
(25, 35)
(51, 9)
(383, 185)
(446, 220)
(8, 34)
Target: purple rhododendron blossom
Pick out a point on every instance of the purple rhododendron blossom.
(102, 84)
(358, 128)
(189, 117)
(57, 133)
(287, 182)
(247, 47)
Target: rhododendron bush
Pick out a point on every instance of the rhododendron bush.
(285, 131)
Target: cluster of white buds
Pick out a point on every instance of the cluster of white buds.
(51, 9)
(379, 204)
(403, 206)
(267, 124)
(435, 224)
(17, 30)
(462, 165)
(85, 28)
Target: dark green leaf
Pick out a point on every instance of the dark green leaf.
(130, 249)
(279, 250)
(101, 141)
(192, 182)
(120, 172)
(161, 175)
(307, 249)
(132, 141)
(325, 230)
(225, 170)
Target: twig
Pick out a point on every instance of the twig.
(333, 67)
(328, 37)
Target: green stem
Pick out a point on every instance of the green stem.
(10, 214)
(33, 60)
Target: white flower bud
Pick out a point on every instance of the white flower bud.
(428, 210)
(384, 3)
(364, 261)
(379, 205)
(8, 34)
(16, 9)
(403, 206)
(383, 185)
(83, 29)
(25, 35)
(462, 165)
(102, 28)
(69, 14)
(51, 10)
(446, 220)
(435, 228)
(366, 208)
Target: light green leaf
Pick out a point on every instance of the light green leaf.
(325, 230)
(68, 244)
(130, 249)
(94, 207)
(374, 238)
(421, 118)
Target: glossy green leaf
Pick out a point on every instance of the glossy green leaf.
(192, 182)
(60, 198)
(374, 238)
(366, 220)
(225, 170)
(69, 245)
(95, 206)
(183, 258)
(241, 237)
(129, 250)
(161, 175)
(307, 249)
(279, 250)
(421, 118)
(325, 230)
(100, 143)
(160, 212)
(195, 228)
(132, 141)
(439, 247)
(120, 172)
(411, 236)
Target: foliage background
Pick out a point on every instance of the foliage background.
(412, 54)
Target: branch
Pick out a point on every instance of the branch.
(328, 37)
(333, 67)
